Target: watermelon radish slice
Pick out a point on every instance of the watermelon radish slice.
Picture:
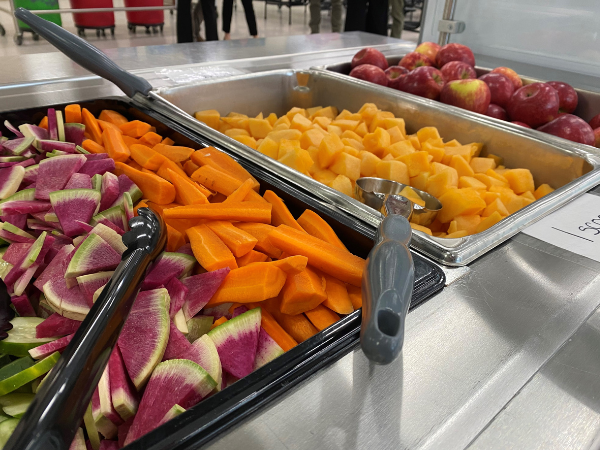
(74, 204)
(13, 129)
(109, 190)
(204, 352)
(236, 341)
(123, 394)
(55, 326)
(126, 185)
(52, 128)
(177, 346)
(144, 337)
(47, 349)
(115, 215)
(167, 266)
(31, 174)
(23, 281)
(267, 349)
(34, 131)
(15, 253)
(60, 125)
(104, 392)
(96, 156)
(24, 207)
(70, 301)
(10, 180)
(127, 206)
(198, 326)
(18, 146)
(28, 260)
(88, 284)
(55, 172)
(97, 182)
(10, 233)
(78, 441)
(175, 411)
(53, 145)
(24, 195)
(107, 444)
(201, 288)
(123, 431)
(98, 167)
(22, 337)
(185, 381)
(103, 424)
(97, 293)
(187, 249)
(111, 236)
(56, 268)
(93, 255)
(218, 311)
(180, 322)
(79, 181)
(177, 292)
(239, 310)
(74, 133)
(23, 306)
(12, 159)
(18, 220)
(54, 153)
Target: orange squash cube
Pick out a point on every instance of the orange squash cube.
(368, 164)
(332, 129)
(452, 143)
(467, 223)
(393, 122)
(342, 184)
(349, 142)
(259, 128)
(378, 120)
(269, 147)
(456, 202)
(421, 228)
(210, 117)
(311, 111)
(323, 122)
(489, 197)
(351, 151)
(325, 176)
(330, 146)
(362, 130)
(440, 183)
(311, 138)
(410, 194)
(292, 112)
(428, 133)
(543, 189)
(453, 227)
(283, 120)
(461, 166)
(281, 127)
(456, 234)
(345, 164)
(233, 132)
(496, 205)
(237, 122)
(529, 196)
(393, 170)
(272, 118)
(414, 141)
(464, 151)
(300, 122)
(470, 182)
(520, 180)
(420, 181)
(399, 149)
(247, 140)
(298, 159)
(482, 165)
(346, 124)
(416, 162)
(351, 135)
(313, 152)
(330, 112)
(396, 135)
(499, 159)
(495, 175)
(290, 135)
(286, 146)
(377, 141)
(388, 157)
(439, 168)
(368, 111)
(488, 222)
(515, 203)
(476, 148)
(437, 152)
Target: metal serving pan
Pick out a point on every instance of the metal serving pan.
(214, 415)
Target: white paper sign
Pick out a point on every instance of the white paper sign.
(574, 227)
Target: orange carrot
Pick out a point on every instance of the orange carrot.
(238, 241)
(209, 249)
(240, 193)
(155, 189)
(167, 141)
(136, 166)
(261, 232)
(238, 211)
(150, 139)
(298, 326)
(92, 146)
(174, 153)
(253, 283)
(302, 292)
(87, 135)
(337, 296)
(91, 126)
(163, 170)
(146, 157)
(104, 125)
(210, 156)
(251, 257)
(355, 294)
(220, 321)
(322, 317)
(115, 146)
(113, 117)
(174, 239)
(189, 167)
(292, 265)
(180, 225)
(280, 213)
(324, 256)
(73, 113)
(273, 329)
(44, 123)
(218, 181)
(141, 204)
(129, 141)
(135, 128)
(187, 191)
(316, 226)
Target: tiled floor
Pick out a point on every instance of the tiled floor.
(276, 24)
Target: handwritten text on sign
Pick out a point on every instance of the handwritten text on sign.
(575, 227)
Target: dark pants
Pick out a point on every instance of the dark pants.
(209, 10)
(248, 10)
(367, 15)
(185, 28)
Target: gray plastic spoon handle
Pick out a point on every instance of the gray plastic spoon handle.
(387, 287)
(85, 54)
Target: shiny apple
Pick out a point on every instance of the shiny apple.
(535, 104)
(413, 60)
(458, 70)
(514, 77)
(370, 56)
(595, 122)
(567, 96)
(424, 81)
(370, 73)
(393, 74)
(572, 128)
(497, 112)
(501, 88)
(521, 124)
(455, 52)
(473, 95)
(597, 137)
(429, 49)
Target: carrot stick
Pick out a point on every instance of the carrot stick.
(168, 164)
(91, 126)
(136, 166)
(324, 256)
(73, 113)
(155, 189)
(113, 117)
(92, 146)
(238, 211)
(302, 292)
(220, 321)
(210, 156)
(337, 296)
(174, 239)
(322, 317)
(187, 190)
(355, 294)
(238, 241)
(273, 329)
(104, 125)
(44, 123)
(298, 326)
(180, 225)
(189, 167)
(167, 141)
(115, 146)
(150, 139)
(221, 182)
(280, 213)
(251, 257)
(240, 193)
(261, 231)
(248, 284)
(209, 249)
(174, 153)
(292, 265)
(135, 128)
(316, 226)
(129, 141)
(146, 157)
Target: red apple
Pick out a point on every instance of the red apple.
(413, 60)
(429, 49)
(521, 124)
(572, 128)
(458, 70)
(370, 56)
(424, 81)
(473, 95)
(535, 104)
(597, 137)
(497, 112)
(455, 52)
(567, 96)
(501, 88)
(393, 75)
(514, 77)
(370, 73)
(595, 122)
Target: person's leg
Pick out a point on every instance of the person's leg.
(209, 10)
(197, 20)
(185, 31)
(250, 17)
(397, 18)
(336, 16)
(227, 13)
(377, 17)
(356, 15)
(315, 16)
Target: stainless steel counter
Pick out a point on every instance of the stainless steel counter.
(504, 357)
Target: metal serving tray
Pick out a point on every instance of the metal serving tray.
(571, 169)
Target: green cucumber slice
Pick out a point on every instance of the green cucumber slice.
(6, 430)
(29, 374)
(90, 427)
(22, 336)
(4, 360)
(16, 366)
(4, 417)
(15, 405)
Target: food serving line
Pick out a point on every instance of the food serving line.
(503, 357)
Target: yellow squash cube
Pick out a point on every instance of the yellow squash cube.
(439, 184)
(281, 126)
(332, 129)
(467, 223)
(388, 157)
(482, 165)
(269, 147)
(343, 115)
(488, 222)
(345, 124)
(312, 137)
(378, 120)
(520, 180)
(377, 141)
(499, 159)
(453, 227)
(543, 189)
(428, 133)
(345, 164)
(272, 118)
(330, 112)
(311, 111)
(234, 132)
(420, 181)
(464, 151)
(237, 122)
(452, 143)
(325, 176)
(439, 168)
(292, 112)
(283, 120)
(414, 141)
(298, 159)
(347, 134)
(223, 127)
(456, 202)
(421, 228)
(259, 115)
(529, 195)
(286, 146)
(476, 148)
(210, 117)
(291, 135)
(259, 128)
(368, 164)
(300, 122)
(330, 146)
(436, 152)
(351, 151)
(399, 149)
(470, 182)
(392, 122)
(362, 130)
(461, 166)
(393, 170)
(496, 176)
(348, 142)
(323, 122)
(246, 140)
(368, 111)
(343, 184)
(416, 162)
(496, 205)
(313, 152)
(489, 197)
(396, 135)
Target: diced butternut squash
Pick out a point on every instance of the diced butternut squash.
(210, 117)
(426, 133)
(439, 184)
(520, 180)
(345, 164)
(496, 205)
(437, 152)
(393, 170)
(342, 184)
(461, 166)
(368, 164)
(269, 148)
(543, 189)
(488, 222)
(470, 182)
(421, 228)
(416, 162)
(297, 159)
(377, 141)
(325, 176)
(467, 223)
(456, 202)
(330, 146)
(482, 165)
(463, 151)
(420, 181)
